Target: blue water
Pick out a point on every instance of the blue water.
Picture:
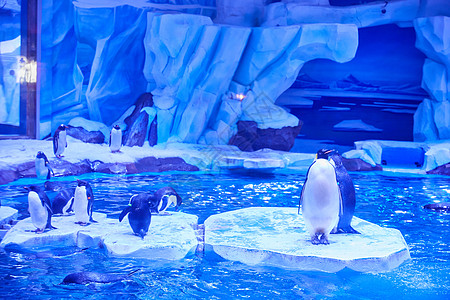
(389, 201)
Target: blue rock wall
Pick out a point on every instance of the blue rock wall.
(100, 60)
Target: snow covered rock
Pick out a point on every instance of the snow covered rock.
(7, 214)
(170, 236)
(278, 237)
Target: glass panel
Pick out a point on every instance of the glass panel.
(12, 65)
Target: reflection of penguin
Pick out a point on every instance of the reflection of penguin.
(115, 139)
(42, 165)
(164, 198)
(347, 195)
(320, 198)
(139, 213)
(39, 208)
(82, 203)
(59, 140)
(61, 203)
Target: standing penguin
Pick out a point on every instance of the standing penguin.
(115, 139)
(40, 208)
(42, 165)
(139, 213)
(164, 198)
(348, 196)
(320, 198)
(82, 203)
(59, 140)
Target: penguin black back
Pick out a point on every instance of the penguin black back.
(348, 196)
(139, 213)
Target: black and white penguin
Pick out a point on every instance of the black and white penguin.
(320, 198)
(94, 277)
(62, 201)
(39, 207)
(115, 139)
(348, 196)
(139, 213)
(42, 165)
(82, 203)
(163, 199)
(59, 140)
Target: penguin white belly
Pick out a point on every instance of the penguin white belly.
(116, 140)
(38, 212)
(41, 169)
(61, 143)
(80, 204)
(320, 199)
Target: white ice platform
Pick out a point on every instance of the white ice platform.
(7, 214)
(278, 237)
(170, 236)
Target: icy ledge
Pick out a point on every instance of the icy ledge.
(170, 237)
(277, 237)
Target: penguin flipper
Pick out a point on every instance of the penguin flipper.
(55, 143)
(124, 213)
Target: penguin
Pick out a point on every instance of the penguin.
(164, 198)
(139, 213)
(94, 277)
(115, 139)
(42, 165)
(320, 198)
(348, 196)
(59, 140)
(62, 202)
(39, 208)
(82, 203)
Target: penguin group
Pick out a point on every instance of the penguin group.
(328, 197)
(78, 200)
(42, 164)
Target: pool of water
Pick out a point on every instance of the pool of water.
(389, 201)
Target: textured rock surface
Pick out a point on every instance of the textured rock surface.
(441, 170)
(278, 237)
(82, 134)
(432, 118)
(170, 237)
(251, 138)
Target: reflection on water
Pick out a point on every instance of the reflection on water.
(388, 201)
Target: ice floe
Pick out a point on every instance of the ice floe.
(278, 237)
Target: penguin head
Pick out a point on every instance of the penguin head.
(324, 153)
(62, 127)
(81, 182)
(116, 127)
(40, 154)
(32, 188)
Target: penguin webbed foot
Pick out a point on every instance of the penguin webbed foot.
(348, 229)
(92, 220)
(320, 239)
(39, 231)
(82, 223)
